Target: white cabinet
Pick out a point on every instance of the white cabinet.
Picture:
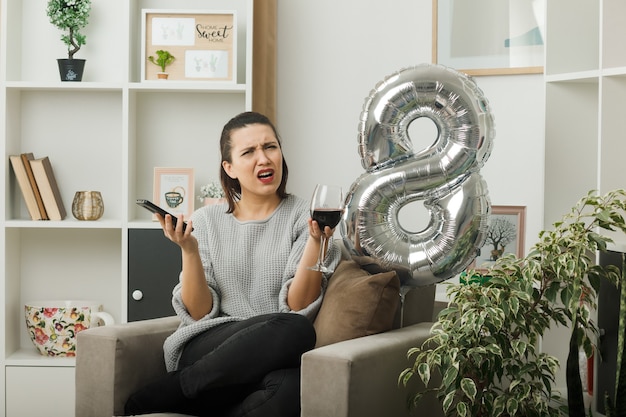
(106, 133)
(585, 112)
(37, 391)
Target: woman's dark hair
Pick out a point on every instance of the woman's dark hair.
(231, 186)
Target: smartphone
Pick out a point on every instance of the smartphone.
(150, 206)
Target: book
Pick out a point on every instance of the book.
(42, 169)
(25, 186)
(26, 158)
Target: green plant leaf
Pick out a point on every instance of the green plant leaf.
(405, 376)
(511, 406)
(424, 372)
(494, 349)
(469, 388)
(526, 389)
(413, 351)
(498, 406)
(450, 376)
(498, 280)
(447, 401)
(461, 409)
(514, 305)
(414, 400)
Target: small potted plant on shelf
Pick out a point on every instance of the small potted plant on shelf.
(211, 193)
(70, 16)
(163, 59)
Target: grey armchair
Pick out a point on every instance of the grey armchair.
(353, 378)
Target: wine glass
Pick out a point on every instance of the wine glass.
(326, 209)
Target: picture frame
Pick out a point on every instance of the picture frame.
(507, 226)
(203, 42)
(174, 190)
(489, 37)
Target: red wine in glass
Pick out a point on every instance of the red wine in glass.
(326, 209)
(327, 217)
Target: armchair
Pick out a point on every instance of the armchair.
(352, 378)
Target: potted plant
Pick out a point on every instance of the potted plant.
(163, 59)
(70, 16)
(211, 193)
(484, 345)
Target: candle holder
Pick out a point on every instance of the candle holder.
(87, 205)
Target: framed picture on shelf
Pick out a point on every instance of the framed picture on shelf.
(505, 235)
(173, 190)
(203, 44)
(489, 37)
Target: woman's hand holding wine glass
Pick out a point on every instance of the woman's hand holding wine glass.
(326, 209)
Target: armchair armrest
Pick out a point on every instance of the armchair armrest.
(113, 361)
(359, 377)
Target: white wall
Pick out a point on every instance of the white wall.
(332, 53)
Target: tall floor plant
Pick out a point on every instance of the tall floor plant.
(484, 345)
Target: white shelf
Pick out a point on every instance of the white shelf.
(61, 86)
(31, 357)
(617, 246)
(614, 72)
(584, 107)
(68, 223)
(586, 76)
(185, 86)
(584, 137)
(106, 133)
(144, 225)
(574, 77)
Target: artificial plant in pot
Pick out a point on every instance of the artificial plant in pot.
(163, 59)
(211, 193)
(70, 16)
(484, 345)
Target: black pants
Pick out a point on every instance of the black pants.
(248, 368)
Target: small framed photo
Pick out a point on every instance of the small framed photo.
(203, 43)
(505, 235)
(173, 190)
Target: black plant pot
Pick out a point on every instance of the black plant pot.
(71, 69)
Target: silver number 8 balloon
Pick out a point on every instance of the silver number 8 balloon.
(445, 176)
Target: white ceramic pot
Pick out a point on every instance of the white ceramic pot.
(207, 201)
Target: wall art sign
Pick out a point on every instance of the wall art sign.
(203, 43)
(173, 190)
(489, 37)
(507, 226)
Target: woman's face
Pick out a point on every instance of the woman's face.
(257, 160)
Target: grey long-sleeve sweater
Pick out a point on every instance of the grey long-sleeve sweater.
(248, 267)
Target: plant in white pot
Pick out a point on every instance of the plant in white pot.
(211, 193)
(162, 60)
(70, 16)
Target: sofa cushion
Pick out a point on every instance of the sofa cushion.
(357, 304)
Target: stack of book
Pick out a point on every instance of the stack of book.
(39, 187)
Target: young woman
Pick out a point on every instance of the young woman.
(246, 297)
